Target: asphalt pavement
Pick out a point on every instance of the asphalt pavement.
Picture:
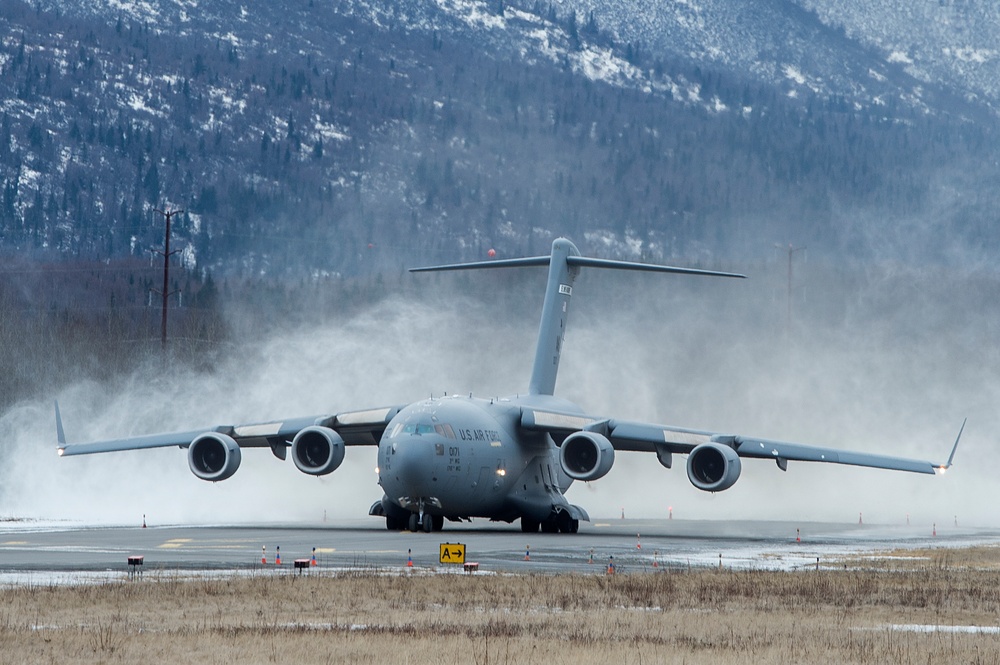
(29, 550)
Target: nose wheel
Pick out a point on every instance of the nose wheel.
(427, 523)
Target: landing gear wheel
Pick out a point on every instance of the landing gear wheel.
(529, 525)
(414, 522)
(428, 523)
(393, 523)
(567, 524)
(438, 522)
(550, 526)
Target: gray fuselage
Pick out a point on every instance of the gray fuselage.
(461, 457)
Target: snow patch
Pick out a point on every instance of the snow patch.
(978, 56)
(223, 98)
(932, 628)
(475, 14)
(792, 72)
(329, 131)
(189, 257)
(229, 37)
(899, 56)
(138, 9)
(138, 103)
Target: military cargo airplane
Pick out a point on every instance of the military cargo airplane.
(504, 459)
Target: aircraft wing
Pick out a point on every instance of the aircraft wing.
(357, 428)
(665, 440)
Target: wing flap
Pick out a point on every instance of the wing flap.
(554, 422)
(645, 437)
(362, 428)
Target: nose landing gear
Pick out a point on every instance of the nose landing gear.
(425, 522)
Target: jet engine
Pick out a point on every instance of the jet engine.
(713, 467)
(586, 455)
(317, 450)
(214, 456)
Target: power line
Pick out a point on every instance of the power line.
(791, 249)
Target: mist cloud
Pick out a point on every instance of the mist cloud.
(887, 360)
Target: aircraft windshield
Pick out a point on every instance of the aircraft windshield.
(423, 428)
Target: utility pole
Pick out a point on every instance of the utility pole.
(791, 249)
(166, 275)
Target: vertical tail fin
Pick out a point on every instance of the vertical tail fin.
(564, 264)
(555, 311)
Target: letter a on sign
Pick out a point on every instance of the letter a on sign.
(452, 553)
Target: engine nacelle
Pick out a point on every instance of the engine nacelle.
(317, 450)
(586, 455)
(713, 467)
(214, 456)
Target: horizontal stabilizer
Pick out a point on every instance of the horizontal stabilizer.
(529, 262)
(577, 261)
(587, 262)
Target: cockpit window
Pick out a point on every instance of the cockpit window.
(445, 430)
(422, 428)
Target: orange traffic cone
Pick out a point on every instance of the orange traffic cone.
(277, 555)
(409, 558)
(263, 555)
(638, 543)
(527, 553)
(611, 565)
(313, 562)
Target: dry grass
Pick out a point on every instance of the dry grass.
(702, 616)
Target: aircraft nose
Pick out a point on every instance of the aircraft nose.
(412, 467)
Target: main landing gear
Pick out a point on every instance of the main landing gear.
(561, 523)
(428, 524)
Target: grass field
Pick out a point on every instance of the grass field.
(877, 610)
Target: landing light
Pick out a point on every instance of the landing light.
(377, 470)
(941, 470)
(501, 472)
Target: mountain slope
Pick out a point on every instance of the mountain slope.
(302, 138)
(932, 55)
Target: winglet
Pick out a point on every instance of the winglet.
(60, 434)
(942, 469)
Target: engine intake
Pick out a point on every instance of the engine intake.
(317, 450)
(586, 455)
(713, 467)
(214, 456)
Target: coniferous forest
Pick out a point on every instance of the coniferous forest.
(332, 152)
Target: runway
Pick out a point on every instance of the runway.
(40, 553)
